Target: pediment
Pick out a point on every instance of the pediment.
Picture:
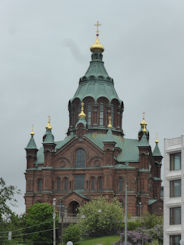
(65, 156)
(75, 196)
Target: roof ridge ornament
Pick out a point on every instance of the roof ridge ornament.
(32, 131)
(156, 140)
(49, 126)
(143, 122)
(82, 114)
(97, 46)
(144, 129)
(110, 123)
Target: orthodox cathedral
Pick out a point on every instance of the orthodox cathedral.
(95, 159)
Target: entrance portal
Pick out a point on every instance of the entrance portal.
(73, 208)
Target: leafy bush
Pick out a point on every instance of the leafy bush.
(156, 232)
(100, 217)
(72, 233)
(133, 225)
(151, 220)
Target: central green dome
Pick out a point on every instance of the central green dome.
(96, 90)
(96, 82)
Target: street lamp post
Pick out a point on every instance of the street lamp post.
(61, 217)
(140, 205)
(126, 214)
(54, 221)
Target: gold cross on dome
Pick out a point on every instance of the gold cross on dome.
(143, 115)
(97, 26)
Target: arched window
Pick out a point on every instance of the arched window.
(89, 113)
(76, 111)
(58, 184)
(80, 158)
(101, 116)
(40, 185)
(65, 184)
(100, 184)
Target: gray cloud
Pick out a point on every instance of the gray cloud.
(143, 53)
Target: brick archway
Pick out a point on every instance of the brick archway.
(73, 208)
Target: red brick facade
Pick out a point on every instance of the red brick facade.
(106, 160)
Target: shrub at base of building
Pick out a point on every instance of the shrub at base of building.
(72, 233)
(100, 217)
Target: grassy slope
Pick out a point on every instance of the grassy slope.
(106, 240)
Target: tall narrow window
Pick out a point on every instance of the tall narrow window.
(175, 216)
(112, 115)
(40, 185)
(76, 112)
(79, 181)
(89, 113)
(175, 161)
(175, 188)
(100, 184)
(101, 114)
(174, 239)
(65, 184)
(80, 158)
(92, 184)
(121, 185)
(58, 184)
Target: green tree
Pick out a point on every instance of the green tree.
(100, 217)
(7, 198)
(39, 223)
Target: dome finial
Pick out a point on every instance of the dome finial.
(49, 124)
(156, 139)
(97, 30)
(110, 124)
(32, 131)
(143, 122)
(82, 114)
(144, 129)
(97, 46)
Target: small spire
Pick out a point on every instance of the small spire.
(49, 124)
(32, 131)
(97, 46)
(82, 114)
(156, 151)
(110, 124)
(143, 122)
(31, 144)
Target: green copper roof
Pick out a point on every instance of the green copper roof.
(129, 153)
(48, 138)
(151, 201)
(31, 144)
(156, 151)
(108, 137)
(143, 142)
(129, 147)
(96, 82)
(60, 144)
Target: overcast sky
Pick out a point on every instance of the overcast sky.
(44, 50)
